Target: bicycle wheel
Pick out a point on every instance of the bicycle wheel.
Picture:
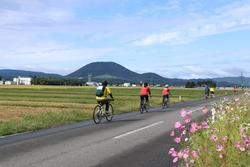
(146, 107)
(163, 105)
(166, 103)
(97, 117)
(110, 114)
(142, 107)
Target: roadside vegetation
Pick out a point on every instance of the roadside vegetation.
(221, 140)
(28, 108)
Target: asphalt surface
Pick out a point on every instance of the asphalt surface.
(131, 139)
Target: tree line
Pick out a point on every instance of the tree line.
(192, 84)
(56, 81)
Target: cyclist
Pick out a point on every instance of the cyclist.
(144, 92)
(212, 91)
(102, 94)
(207, 89)
(235, 89)
(165, 93)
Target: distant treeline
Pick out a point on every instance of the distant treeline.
(56, 81)
(192, 84)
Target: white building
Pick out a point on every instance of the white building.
(133, 85)
(8, 82)
(1, 83)
(22, 80)
(126, 84)
(92, 84)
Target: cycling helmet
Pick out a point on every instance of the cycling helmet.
(145, 84)
(166, 85)
(105, 83)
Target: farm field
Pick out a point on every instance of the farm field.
(27, 108)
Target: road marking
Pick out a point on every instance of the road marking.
(137, 130)
(2, 137)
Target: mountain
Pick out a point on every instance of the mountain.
(9, 74)
(155, 78)
(102, 70)
(117, 73)
(234, 80)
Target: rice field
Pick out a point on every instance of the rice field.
(27, 108)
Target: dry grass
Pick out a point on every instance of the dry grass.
(10, 110)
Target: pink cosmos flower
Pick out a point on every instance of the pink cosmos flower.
(194, 154)
(219, 147)
(177, 124)
(171, 150)
(237, 144)
(244, 137)
(182, 128)
(185, 155)
(242, 130)
(177, 139)
(204, 125)
(186, 150)
(172, 134)
(189, 112)
(224, 138)
(194, 127)
(180, 154)
(246, 142)
(175, 159)
(187, 120)
(192, 130)
(204, 110)
(183, 113)
(214, 138)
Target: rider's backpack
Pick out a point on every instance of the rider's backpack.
(99, 91)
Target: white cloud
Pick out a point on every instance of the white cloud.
(30, 14)
(229, 18)
(159, 38)
(48, 55)
(173, 5)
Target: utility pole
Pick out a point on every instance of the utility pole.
(241, 78)
(90, 77)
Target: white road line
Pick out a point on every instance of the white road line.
(137, 130)
(2, 137)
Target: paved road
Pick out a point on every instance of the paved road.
(132, 139)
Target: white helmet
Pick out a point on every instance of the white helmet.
(166, 85)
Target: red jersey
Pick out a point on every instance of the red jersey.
(145, 91)
(165, 91)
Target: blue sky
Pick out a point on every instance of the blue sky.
(174, 38)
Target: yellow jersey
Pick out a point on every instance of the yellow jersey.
(106, 92)
(212, 89)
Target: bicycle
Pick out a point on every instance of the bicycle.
(165, 103)
(100, 112)
(144, 106)
(206, 95)
(212, 95)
